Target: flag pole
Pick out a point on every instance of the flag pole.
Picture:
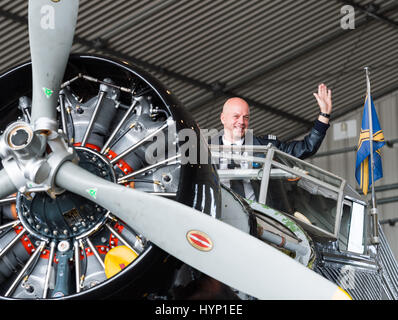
(373, 210)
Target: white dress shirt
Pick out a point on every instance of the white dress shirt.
(249, 192)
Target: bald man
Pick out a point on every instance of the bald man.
(235, 119)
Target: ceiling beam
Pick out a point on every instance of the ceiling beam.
(94, 44)
(229, 91)
(215, 89)
(289, 57)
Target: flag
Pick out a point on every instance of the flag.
(362, 166)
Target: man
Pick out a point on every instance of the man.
(235, 118)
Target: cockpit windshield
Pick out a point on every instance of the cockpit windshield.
(307, 168)
(312, 196)
(304, 191)
(316, 205)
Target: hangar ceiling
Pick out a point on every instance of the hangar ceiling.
(272, 53)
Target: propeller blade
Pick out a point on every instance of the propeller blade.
(218, 249)
(6, 186)
(51, 30)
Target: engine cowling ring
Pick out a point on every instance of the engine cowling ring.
(197, 186)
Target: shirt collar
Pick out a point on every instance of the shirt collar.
(228, 143)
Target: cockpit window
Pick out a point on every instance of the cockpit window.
(352, 227)
(308, 168)
(319, 200)
(302, 198)
(315, 197)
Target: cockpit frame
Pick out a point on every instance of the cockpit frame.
(267, 162)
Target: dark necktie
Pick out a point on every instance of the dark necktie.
(236, 185)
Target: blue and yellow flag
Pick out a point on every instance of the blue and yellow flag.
(362, 166)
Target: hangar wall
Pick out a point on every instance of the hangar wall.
(343, 136)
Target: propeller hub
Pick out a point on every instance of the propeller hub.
(31, 158)
(19, 138)
(21, 142)
(68, 215)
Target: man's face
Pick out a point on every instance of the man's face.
(235, 118)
